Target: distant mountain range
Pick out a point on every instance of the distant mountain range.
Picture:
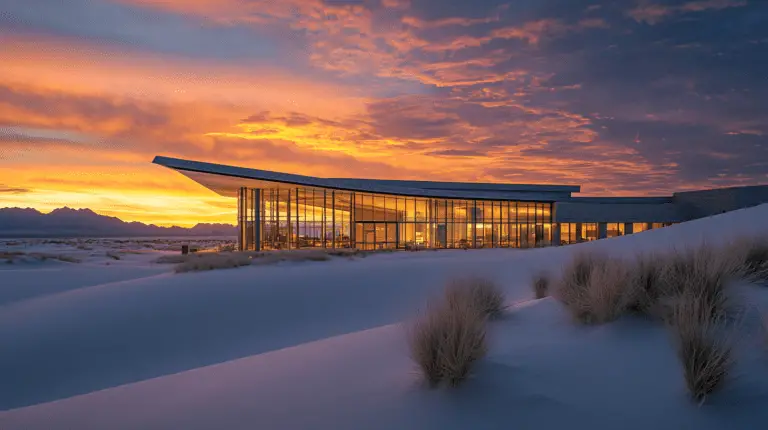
(66, 222)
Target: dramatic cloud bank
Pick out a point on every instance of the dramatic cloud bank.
(636, 97)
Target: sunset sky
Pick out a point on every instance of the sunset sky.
(623, 97)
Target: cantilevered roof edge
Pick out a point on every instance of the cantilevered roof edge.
(240, 172)
(341, 184)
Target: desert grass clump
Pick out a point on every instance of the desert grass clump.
(643, 282)
(272, 257)
(703, 353)
(446, 342)
(541, 284)
(480, 294)
(173, 259)
(10, 255)
(701, 272)
(44, 256)
(213, 261)
(595, 289)
(753, 254)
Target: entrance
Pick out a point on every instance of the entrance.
(376, 235)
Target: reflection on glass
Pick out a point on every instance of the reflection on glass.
(293, 218)
(590, 231)
(615, 229)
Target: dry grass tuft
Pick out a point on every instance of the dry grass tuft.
(173, 259)
(541, 285)
(212, 261)
(12, 256)
(701, 272)
(480, 294)
(595, 289)
(446, 342)
(343, 252)
(753, 254)
(43, 256)
(273, 257)
(216, 260)
(643, 277)
(705, 357)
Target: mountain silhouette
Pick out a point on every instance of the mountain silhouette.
(66, 222)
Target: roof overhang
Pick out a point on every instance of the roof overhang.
(227, 180)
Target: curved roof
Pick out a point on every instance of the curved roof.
(226, 180)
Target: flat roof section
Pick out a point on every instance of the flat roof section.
(467, 186)
(226, 180)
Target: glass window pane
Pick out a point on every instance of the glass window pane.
(421, 234)
(381, 232)
(421, 210)
(591, 231)
(410, 237)
(513, 212)
(367, 204)
(391, 210)
(378, 208)
(391, 232)
(440, 212)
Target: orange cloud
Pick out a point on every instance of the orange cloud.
(137, 75)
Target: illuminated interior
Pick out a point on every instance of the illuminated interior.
(577, 232)
(296, 218)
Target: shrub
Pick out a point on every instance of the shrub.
(541, 285)
(43, 256)
(643, 277)
(212, 261)
(595, 289)
(172, 259)
(10, 255)
(480, 294)
(343, 252)
(263, 258)
(702, 272)
(446, 342)
(228, 247)
(704, 356)
(308, 255)
(753, 255)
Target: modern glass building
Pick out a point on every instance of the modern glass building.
(285, 211)
(300, 217)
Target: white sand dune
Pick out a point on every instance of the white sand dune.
(320, 345)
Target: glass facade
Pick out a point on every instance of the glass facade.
(577, 232)
(583, 232)
(615, 229)
(298, 218)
